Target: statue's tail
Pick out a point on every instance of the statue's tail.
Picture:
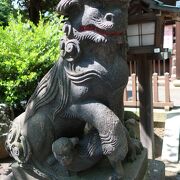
(19, 148)
(16, 144)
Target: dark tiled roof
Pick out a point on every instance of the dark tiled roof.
(157, 4)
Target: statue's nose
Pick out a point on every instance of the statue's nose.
(109, 17)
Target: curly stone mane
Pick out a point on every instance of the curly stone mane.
(55, 83)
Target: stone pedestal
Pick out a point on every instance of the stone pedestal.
(155, 171)
(133, 170)
(141, 169)
(102, 171)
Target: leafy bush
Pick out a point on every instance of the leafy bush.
(130, 115)
(5, 10)
(27, 52)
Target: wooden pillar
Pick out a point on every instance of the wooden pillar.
(146, 104)
(178, 50)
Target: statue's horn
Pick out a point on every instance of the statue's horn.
(64, 6)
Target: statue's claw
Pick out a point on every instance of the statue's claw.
(134, 149)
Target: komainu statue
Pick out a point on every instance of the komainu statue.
(75, 116)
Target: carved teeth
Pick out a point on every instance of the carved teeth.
(93, 36)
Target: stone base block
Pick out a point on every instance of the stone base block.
(102, 171)
(176, 83)
(133, 170)
(137, 170)
(155, 171)
(141, 169)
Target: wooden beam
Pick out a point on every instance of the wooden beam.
(159, 35)
(147, 17)
(178, 50)
(141, 50)
(161, 104)
(146, 104)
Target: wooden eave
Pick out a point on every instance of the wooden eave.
(139, 18)
(166, 9)
(141, 50)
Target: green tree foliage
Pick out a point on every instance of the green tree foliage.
(5, 11)
(33, 8)
(27, 52)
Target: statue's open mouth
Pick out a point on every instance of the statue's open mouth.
(99, 31)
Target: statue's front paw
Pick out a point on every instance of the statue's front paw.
(138, 146)
(135, 148)
(131, 155)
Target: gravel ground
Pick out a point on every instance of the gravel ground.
(172, 169)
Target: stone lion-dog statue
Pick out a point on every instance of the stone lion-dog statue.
(83, 89)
